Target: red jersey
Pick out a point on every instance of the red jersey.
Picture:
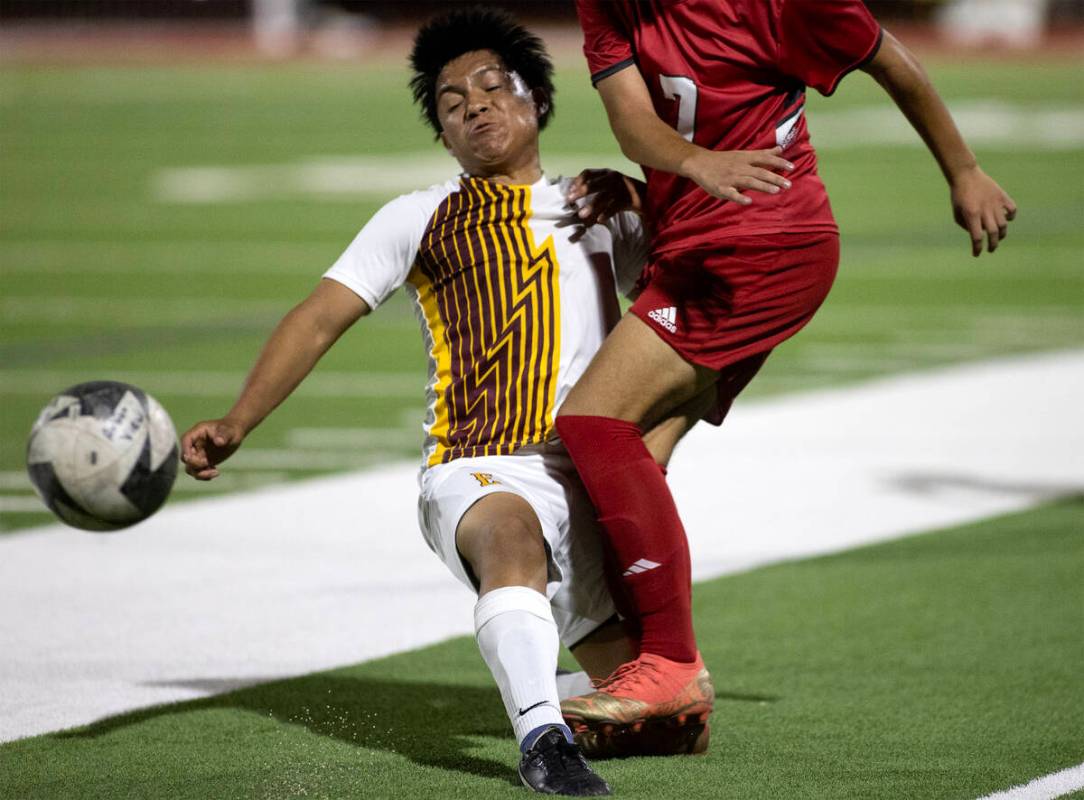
(731, 75)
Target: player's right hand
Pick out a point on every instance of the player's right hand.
(207, 444)
(981, 207)
(727, 173)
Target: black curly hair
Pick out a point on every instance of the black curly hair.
(464, 30)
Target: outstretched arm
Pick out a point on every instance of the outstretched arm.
(293, 349)
(647, 140)
(979, 205)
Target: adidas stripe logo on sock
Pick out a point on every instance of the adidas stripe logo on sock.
(643, 565)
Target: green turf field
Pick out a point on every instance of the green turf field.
(100, 278)
(941, 666)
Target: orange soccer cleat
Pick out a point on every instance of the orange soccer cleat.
(648, 706)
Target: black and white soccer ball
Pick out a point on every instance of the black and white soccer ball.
(103, 455)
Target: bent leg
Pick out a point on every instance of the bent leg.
(663, 438)
(606, 649)
(501, 538)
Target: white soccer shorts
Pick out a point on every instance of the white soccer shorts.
(544, 476)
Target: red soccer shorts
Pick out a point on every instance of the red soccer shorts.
(726, 308)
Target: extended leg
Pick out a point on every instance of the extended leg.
(501, 539)
(642, 529)
(600, 425)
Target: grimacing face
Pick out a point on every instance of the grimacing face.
(488, 117)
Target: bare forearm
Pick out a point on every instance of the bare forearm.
(291, 352)
(905, 80)
(645, 139)
(979, 205)
(293, 349)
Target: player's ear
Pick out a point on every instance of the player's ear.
(541, 101)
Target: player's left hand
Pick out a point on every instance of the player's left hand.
(982, 208)
(604, 192)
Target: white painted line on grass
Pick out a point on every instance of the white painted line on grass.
(200, 383)
(1048, 787)
(346, 438)
(989, 124)
(23, 503)
(132, 310)
(14, 479)
(231, 481)
(270, 458)
(283, 581)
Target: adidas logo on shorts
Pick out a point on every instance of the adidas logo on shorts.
(667, 317)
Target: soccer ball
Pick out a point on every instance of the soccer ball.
(102, 455)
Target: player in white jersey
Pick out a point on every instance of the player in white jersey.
(513, 303)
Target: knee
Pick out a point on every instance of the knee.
(506, 552)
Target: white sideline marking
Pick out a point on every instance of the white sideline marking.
(269, 458)
(200, 383)
(346, 438)
(23, 503)
(15, 479)
(990, 124)
(129, 310)
(28, 501)
(233, 590)
(1048, 787)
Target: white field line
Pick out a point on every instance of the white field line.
(986, 123)
(1048, 787)
(181, 257)
(345, 438)
(25, 503)
(44, 256)
(131, 310)
(135, 310)
(18, 481)
(244, 588)
(14, 480)
(283, 459)
(200, 383)
(233, 482)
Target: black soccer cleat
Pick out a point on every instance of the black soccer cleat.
(553, 765)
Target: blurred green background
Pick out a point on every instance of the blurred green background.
(117, 260)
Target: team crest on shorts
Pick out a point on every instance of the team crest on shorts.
(485, 478)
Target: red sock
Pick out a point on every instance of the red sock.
(642, 527)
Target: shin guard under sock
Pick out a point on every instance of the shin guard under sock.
(641, 526)
(519, 642)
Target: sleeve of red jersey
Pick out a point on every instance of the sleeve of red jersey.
(820, 41)
(606, 46)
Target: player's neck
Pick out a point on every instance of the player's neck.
(524, 174)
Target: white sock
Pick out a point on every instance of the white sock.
(573, 684)
(518, 639)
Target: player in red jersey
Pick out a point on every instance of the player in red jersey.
(709, 95)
